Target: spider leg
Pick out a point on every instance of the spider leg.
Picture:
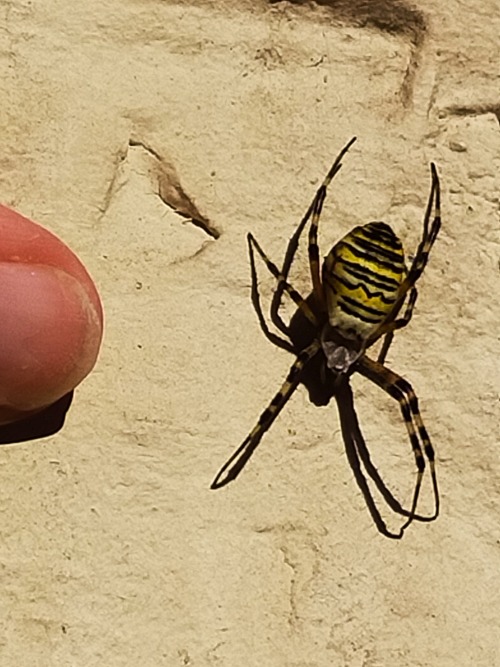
(299, 301)
(357, 453)
(418, 265)
(402, 391)
(314, 208)
(317, 207)
(293, 244)
(398, 324)
(235, 464)
(429, 234)
(272, 337)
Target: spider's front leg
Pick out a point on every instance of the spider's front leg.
(429, 235)
(314, 210)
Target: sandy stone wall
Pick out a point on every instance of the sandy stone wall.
(152, 136)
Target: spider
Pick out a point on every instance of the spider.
(364, 293)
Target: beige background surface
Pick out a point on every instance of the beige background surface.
(113, 550)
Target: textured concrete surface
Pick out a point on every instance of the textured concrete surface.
(113, 550)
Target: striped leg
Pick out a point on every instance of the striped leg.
(315, 206)
(232, 468)
(357, 453)
(429, 235)
(418, 265)
(398, 324)
(402, 391)
(285, 286)
(292, 247)
(272, 337)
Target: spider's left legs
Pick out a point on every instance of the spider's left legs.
(285, 286)
(314, 209)
(317, 207)
(291, 249)
(272, 337)
(402, 391)
(235, 464)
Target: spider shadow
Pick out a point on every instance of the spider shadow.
(322, 387)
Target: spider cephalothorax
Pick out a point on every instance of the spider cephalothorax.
(355, 300)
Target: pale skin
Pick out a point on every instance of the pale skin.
(51, 318)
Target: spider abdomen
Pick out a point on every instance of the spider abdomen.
(362, 275)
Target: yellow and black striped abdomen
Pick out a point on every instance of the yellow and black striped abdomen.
(361, 277)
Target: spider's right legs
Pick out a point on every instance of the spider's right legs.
(314, 210)
(429, 235)
(232, 468)
(398, 324)
(402, 391)
(417, 267)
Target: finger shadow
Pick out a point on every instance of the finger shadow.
(48, 421)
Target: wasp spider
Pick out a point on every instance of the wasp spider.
(364, 292)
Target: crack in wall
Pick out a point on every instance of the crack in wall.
(301, 555)
(293, 616)
(475, 110)
(115, 185)
(393, 17)
(171, 191)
